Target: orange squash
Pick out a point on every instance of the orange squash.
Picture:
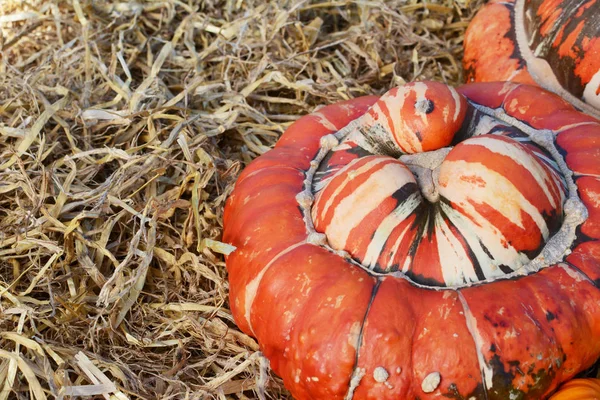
(551, 43)
(433, 243)
(579, 389)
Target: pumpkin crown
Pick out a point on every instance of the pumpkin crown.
(428, 186)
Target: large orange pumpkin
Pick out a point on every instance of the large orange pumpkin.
(551, 43)
(429, 243)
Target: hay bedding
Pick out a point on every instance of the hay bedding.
(123, 126)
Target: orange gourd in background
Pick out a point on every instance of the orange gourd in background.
(551, 43)
(579, 389)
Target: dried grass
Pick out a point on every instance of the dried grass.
(123, 126)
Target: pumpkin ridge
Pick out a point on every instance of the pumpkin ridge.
(471, 323)
(252, 286)
(357, 374)
(581, 273)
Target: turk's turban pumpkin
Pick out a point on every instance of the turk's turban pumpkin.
(429, 243)
(551, 43)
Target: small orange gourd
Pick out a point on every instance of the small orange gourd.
(579, 389)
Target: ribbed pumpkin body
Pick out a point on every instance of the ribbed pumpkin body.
(551, 43)
(430, 243)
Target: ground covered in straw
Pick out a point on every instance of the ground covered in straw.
(123, 126)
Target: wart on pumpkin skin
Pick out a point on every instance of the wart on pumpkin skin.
(431, 382)
(380, 374)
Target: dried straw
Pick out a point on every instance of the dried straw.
(123, 126)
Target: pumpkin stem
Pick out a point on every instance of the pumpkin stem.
(426, 169)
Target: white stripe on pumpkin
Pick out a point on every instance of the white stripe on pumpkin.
(457, 267)
(519, 156)
(498, 192)
(317, 212)
(387, 226)
(352, 210)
